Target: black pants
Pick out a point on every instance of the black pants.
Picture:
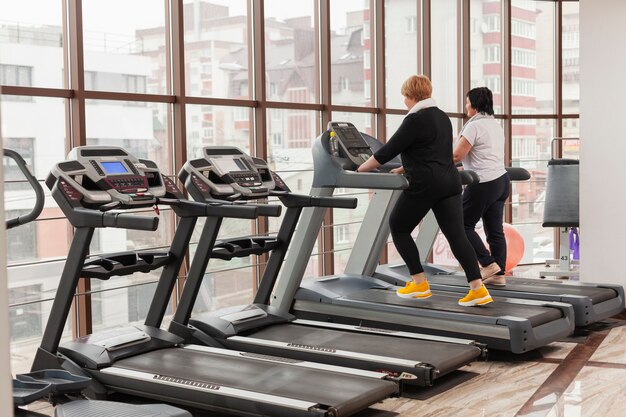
(485, 201)
(411, 209)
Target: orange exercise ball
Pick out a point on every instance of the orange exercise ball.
(514, 246)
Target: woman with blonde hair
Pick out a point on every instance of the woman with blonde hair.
(424, 142)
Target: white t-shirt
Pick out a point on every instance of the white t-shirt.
(486, 158)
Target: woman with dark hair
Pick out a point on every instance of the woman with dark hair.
(424, 141)
(481, 149)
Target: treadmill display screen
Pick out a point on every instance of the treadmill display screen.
(351, 137)
(229, 165)
(114, 167)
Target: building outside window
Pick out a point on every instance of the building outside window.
(18, 75)
(492, 54)
(26, 318)
(411, 24)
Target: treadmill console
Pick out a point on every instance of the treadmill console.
(227, 172)
(94, 176)
(346, 142)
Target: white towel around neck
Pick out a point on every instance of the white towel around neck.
(422, 104)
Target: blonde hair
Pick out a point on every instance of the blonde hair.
(417, 87)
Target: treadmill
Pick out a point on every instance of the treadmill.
(228, 173)
(95, 188)
(591, 302)
(514, 325)
(51, 384)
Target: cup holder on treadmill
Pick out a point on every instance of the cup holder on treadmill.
(125, 263)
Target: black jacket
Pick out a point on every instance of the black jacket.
(424, 142)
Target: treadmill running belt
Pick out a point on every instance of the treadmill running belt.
(443, 356)
(445, 301)
(530, 285)
(246, 373)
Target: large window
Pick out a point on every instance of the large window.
(571, 61)
(138, 127)
(217, 125)
(532, 40)
(290, 51)
(134, 95)
(131, 57)
(486, 48)
(217, 58)
(31, 34)
(351, 42)
(403, 47)
(445, 50)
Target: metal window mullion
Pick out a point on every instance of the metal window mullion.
(257, 20)
(74, 320)
(463, 46)
(121, 96)
(326, 262)
(426, 39)
(81, 308)
(506, 95)
(258, 138)
(558, 93)
(170, 135)
(558, 87)
(378, 60)
(175, 58)
(353, 109)
(418, 32)
(76, 74)
(177, 51)
(325, 55)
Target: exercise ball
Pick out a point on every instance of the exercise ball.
(514, 246)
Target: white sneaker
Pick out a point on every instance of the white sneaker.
(489, 270)
(497, 280)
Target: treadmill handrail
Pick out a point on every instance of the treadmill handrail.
(84, 217)
(518, 173)
(32, 180)
(469, 177)
(186, 208)
(383, 181)
(306, 200)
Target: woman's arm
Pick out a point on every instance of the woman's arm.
(369, 165)
(461, 150)
(397, 143)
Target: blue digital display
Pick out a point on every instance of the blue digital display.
(114, 167)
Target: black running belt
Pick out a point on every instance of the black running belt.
(517, 284)
(444, 301)
(442, 356)
(246, 373)
(533, 285)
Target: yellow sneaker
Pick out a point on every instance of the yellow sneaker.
(413, 290)
(478, 297)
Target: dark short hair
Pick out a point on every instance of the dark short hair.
(481, 99)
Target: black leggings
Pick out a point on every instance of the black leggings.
(485, 201)
(411, 209)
